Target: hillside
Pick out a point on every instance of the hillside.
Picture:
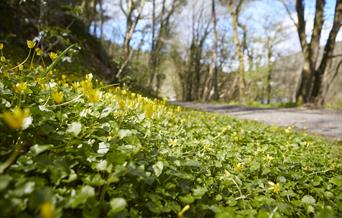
(61, 27)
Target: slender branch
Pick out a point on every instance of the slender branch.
(289, 12)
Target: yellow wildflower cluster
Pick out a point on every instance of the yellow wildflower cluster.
(148, 109)
(86, 86)
(93, 95)
(16, 118)
(1, 46)
(57, 97)
(274, 187)
(20, 87)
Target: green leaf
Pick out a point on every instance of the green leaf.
(75, 128)
(124, 133)
(4, 181)
(158, 168)
(117, 205)
(199, 192)
(187, 199)
(82, 196)
(38, 149)
(308, 199)
(103, 148)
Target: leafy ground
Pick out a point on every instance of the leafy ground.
(83, 148)
(323, 122)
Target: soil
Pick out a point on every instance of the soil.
(322, 122)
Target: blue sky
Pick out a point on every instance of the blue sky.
(254, 15)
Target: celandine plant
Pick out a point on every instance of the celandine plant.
(85, 149)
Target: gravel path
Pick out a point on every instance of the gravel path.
(322, 122)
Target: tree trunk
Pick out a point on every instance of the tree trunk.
(269, 70)
(215, 47)
(234, 12)
(328, 50)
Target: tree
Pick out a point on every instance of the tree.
(200, 32)
(273, 35)
(161, 29)
(310, 84)
(234, 9)
(213, 71)
(132, 12)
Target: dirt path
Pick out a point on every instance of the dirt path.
(320, 122)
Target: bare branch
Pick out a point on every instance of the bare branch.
(288, 12)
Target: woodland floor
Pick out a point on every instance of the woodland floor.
(322, 122)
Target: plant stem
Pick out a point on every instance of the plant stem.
(9, 161)
(28, 56)
(32, 60)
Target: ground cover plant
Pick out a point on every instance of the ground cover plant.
(82, 148)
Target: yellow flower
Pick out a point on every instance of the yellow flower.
(238, 167)
(39, 52)
(47, 210)
(20, 87)
(57, 97)
(1, 46)
(268, 158)
(274, 187)
(148, 109)
(3, 59)
(122, 104)
(86, 85)
(30, 44)
(178, 109)
(173, 142)
(15, 119)
(21, 67)
(53, 55)
(93, 95)
(288, 129)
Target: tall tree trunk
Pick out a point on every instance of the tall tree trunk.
(215, 48)
(234, 12)
(269, 70)
(306, 74)
(328, 50)
(310, 51)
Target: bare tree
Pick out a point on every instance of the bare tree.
(234, 8)
(200, 32)
(273, 36)
(132, 13)
(161, 29)
(310, 84)
(215, 50)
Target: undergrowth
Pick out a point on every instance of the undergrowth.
(85, 149)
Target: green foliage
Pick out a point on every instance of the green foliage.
(90, 150)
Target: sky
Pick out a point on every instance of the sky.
(254, 15)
